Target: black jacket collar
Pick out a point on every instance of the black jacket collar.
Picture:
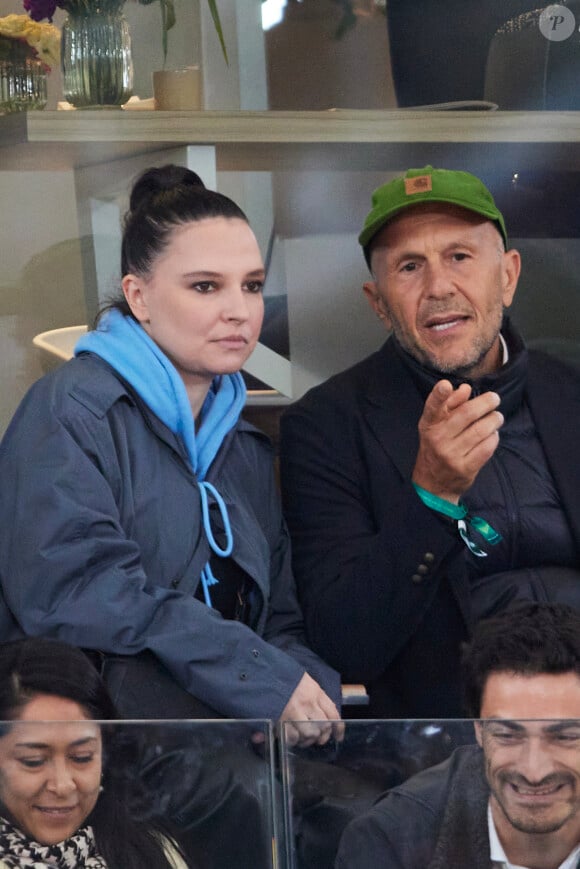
(509, 382)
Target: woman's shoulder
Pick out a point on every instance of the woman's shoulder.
(85, 380)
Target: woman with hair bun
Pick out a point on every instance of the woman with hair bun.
(139, 513)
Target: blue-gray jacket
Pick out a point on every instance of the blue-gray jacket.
(101, 543)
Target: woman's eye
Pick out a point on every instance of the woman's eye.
(31, 762)
(255, 286)
(204, 287)
(82, 758)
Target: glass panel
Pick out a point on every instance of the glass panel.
(206, 784)
(327, 787)
(435, 793)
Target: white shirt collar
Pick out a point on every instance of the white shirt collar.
(504, 348)
(498, 855)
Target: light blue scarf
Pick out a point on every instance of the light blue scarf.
(127, 347)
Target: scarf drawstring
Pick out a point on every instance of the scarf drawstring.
(207, 577)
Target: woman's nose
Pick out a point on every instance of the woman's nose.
(236, 306)
(60, 780)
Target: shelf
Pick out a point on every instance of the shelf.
(341, 139)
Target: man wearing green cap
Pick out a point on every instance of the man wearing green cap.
(436, 482)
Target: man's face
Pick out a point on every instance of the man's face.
(532, 766)
(441, 282)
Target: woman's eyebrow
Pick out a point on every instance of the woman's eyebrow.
(82, 741)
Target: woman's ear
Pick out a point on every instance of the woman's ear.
(132, 287)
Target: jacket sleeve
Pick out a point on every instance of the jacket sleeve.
(367, 553)
(285, 624)
(70, 570)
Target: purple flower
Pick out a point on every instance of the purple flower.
(39, 9)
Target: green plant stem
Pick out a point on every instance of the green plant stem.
(218, 27)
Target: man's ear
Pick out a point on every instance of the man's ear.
(478, 733)
(132, 287)
(375, 301)
(511, 267)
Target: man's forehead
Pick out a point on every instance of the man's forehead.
(416, 216)
(519, 697)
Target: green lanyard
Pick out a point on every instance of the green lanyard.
(460, 513)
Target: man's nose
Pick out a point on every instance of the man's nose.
(535, 761)
(438, 282)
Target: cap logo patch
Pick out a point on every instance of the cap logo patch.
(418, 184)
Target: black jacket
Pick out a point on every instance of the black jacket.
(436, 820)
(382, 579)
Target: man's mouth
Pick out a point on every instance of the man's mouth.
(444, 323)
(537, 792)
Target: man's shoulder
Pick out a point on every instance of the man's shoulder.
(352, 384)
(543, 362)
(429, 788)
(408, 819)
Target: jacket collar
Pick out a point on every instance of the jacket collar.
(397, 381)
(509, 381)
(392, 405)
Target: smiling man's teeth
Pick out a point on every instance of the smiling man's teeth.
(535, 792)
(440, 327)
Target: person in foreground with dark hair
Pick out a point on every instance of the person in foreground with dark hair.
(64, 800)
(514, 799)
(436, 481)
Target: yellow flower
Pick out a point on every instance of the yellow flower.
(43, 38)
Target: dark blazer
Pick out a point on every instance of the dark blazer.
(435, 820)
(382, 578)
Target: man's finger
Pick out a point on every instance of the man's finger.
(434, 409)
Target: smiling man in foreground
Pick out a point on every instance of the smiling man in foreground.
(514, 801)
(437, 481)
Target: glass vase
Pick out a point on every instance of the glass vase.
(96, 60)
(22, 77)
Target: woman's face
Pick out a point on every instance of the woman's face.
(202, 300)
(50, 773)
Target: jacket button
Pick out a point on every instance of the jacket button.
(416, 578)
(429, 558)
(243, 676)
(174, 583)
(255, 653)
(423, 569)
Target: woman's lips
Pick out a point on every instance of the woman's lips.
(232, 341)
(56, 811)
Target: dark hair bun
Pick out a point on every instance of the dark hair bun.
(159, 179)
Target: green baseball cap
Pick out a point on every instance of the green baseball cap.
(429, 185)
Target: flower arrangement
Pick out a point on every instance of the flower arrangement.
(43, 39)
(40, 9)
